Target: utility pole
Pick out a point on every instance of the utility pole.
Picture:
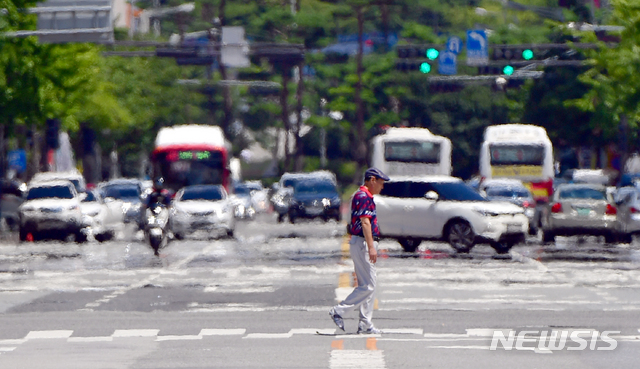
(284, 97)
(299, 159)
(361, 148)
(226, 92)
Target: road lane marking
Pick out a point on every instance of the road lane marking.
(178, 338)
(343, 359)
(90, 339)
(48, 334)
(268, 335)
(223, 332)
(120, 333)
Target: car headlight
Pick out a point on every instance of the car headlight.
(326, 202)
(93, 213)
(486, 213)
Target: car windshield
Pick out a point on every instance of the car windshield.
(91, 197)
(202, 193)
(507, 192)
(242, 190)
(289, 182)
(122, 192)
(50, 192)
(314, 187)
(582, 193)
(457, 191)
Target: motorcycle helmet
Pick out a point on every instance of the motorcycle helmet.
(158, 184)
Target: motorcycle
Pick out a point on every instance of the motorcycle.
(157, 216)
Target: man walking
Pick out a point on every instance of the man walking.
(364, 232)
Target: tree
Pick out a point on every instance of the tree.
(614, 75)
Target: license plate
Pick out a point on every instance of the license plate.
(314, 211)
(584, 212)
(514, 228)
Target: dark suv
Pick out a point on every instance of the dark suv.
(314, 198)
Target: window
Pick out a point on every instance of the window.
(212, 193)
(516, 154)
(58, 192)
(412, 151)
(456, 191)
(583, 193)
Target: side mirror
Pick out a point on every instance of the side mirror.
(431, 195)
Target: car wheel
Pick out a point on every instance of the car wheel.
(548, 236)
(409, 244)
(501, 247)
(23, 234)
(460, 236)
(230, 233)
(610, 238)
(280, 218)
(292, 220)
(80, 237)
(626, 238)
(178, 236)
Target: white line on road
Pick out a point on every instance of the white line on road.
(223, 332)
(343, 359)
(135, 333)
(268, 335)
(48, 334)
(90, 339)
(178, 338)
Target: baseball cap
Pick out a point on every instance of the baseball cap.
(375, 172)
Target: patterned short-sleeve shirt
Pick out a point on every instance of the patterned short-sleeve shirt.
(362, 205)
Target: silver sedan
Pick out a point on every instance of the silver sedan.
(580, 209)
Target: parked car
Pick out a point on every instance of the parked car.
(628, 216)
(12, 196)
(126, 195)
(314, 198)
(73, 176)
(580, 209)
(412, 209)
(202, 207)
(98, 218)
(51, 207)
(515, 192)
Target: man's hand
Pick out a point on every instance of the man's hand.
(373, 255)
(368, 237)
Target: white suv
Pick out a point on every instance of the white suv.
(412, 209)
(51, 207)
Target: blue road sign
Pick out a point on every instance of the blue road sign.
(17, 160)
(454, 44)
(447, 63)
(477, 48)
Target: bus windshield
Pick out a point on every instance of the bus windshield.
(182, 168)
(412, 151)
(516, 154)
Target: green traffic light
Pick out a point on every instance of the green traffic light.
(527, 54)
(425, 68)
(432, 54)
(508, 70)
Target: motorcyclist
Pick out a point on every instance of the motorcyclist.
(159, 194)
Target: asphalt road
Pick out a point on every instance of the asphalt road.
(258, 300)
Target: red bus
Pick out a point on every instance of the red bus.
(191, 155)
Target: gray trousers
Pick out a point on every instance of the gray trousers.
(363, 295)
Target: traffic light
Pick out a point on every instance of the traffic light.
(490, 70)
(508, 70)
(413, 65)
(514, 53)
(51, 134)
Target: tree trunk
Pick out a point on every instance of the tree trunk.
(299, 159)
(284, 97)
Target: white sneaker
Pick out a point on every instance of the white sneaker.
(372, 330)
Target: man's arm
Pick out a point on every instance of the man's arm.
(368, 236)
